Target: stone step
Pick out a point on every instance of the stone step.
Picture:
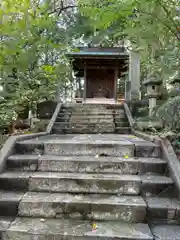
(141, 148)
(31, 146)
(166, 232)
(9, 202)
(89, 207)
(100, 127)
(123, 130)
(23, 162)
(147, 185)
(83, 130)
(163, 210)
(120, 124)
(100, 164)
(85, 183)
(91, 122)
(74, 147)
(91, 113)
(59, 229)
(95, 105)
(5, 223)
(146, 149)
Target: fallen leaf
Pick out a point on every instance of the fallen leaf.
(94, 226)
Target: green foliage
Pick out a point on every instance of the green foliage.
(32, 60)
(151, 28)
(169, 113)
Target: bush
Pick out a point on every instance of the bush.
(169, 113)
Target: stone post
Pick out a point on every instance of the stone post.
(134, 75)
(152, 105)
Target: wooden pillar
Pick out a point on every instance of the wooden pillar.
(85, 80)
(115, 82)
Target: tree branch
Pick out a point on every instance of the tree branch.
(62, 9)
(167, 13)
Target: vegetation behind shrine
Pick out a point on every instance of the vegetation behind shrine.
(36, 34)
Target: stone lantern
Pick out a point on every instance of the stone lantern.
(153, 85)
(176, 81)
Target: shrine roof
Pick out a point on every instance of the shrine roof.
(99, 52)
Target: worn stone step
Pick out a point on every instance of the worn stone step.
(123, 130)
(91, 117)
(92, 121)
(99, 183)
(166, 232)
(83, 130)
(154, 185)
(89, 207)
(96, 128)
(9, 202)
(148, 185)
(121, 123)
(89, 121)
(31, 146)
(60, 229)
(100, 164)
(15, 181)
(85, 183)
(107, 105)
(5, 222)
(73, 124)
(75, 147)
(23, 162)
(147, 149)
(163, 210)
(91, 113)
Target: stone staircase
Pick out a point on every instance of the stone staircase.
(91, 118)
(59, 186)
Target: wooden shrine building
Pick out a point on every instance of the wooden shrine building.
(102, 70)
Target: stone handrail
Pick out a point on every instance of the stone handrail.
(129, 116)
(53, 119)
(168, 153)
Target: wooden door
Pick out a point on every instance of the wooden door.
(100, 79)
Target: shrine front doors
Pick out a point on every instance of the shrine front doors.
(100, 83)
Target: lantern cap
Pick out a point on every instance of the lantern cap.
(153, 79)
(176, 79)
